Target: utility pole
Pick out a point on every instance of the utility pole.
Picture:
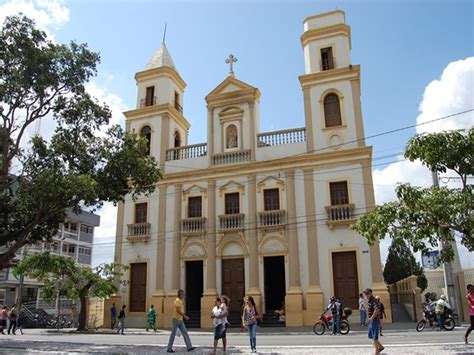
(448, 267)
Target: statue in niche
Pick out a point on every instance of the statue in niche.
(231, 137)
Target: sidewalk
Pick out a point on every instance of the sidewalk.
(393, 327)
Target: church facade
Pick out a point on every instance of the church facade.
(255, 213)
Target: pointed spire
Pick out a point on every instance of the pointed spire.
(161, 58)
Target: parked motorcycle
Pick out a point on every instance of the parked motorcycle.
(325, 322)
(429, 317)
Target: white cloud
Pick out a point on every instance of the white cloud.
(115, 102)
(104, 235)
(49, 15)
(452, 92)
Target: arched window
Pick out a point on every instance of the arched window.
(177, 139)
(231, 136)
(146, 133)
(332, 110)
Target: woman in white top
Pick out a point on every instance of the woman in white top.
(217, 315)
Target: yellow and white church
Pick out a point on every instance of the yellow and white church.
(265, 214)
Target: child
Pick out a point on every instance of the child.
(151, 318)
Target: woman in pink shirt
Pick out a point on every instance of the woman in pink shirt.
(3, 318)
(470, 305)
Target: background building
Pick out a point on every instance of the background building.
(255, 213)
(74, 239)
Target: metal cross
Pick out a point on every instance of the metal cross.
(231, 60)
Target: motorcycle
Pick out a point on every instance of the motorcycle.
(325, 322)
(429, 317)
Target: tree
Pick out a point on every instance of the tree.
(401, 263)
(83, 165)
(427, 218)
(60, 273)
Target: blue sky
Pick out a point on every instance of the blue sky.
(404, 48)
(401, 46)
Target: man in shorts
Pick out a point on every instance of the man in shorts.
(373, 312)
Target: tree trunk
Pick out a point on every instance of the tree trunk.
(83, 313)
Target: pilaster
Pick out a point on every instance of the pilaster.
(294, 296)
(176, 269)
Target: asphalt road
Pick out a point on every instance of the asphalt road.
(280, 342)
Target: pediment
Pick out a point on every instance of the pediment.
(194, 189)
(232, 185)
(230, 85)
(271, 180)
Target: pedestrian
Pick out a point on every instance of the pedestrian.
(20, 321)
(3, 319)
(243, 303)
(249, 321)
(373, 312)
(439, 310)
(334, 306)
(382, 314)
(113, 316)
(362, 310)
(225, 301)
(217, 315)
(151, 318)
(470, 305)
(178, 323)
(121, 318)
(12, 317)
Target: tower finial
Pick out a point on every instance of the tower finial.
(164, 33)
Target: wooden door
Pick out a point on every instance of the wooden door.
(345, 276)
(138, 287)
(233, 281)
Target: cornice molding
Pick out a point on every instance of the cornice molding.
(161, 71)
(319, 33)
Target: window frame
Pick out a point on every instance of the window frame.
(329, 121)
(145, 214)
(189, 210)
(275, 190)
(336, 198)
(232, 209)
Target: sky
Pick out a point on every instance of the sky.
(416, 60)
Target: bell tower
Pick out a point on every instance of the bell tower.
(331, 84)
(158, 115)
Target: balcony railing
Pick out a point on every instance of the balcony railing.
(340, 214)
(272, 218)
(187, 152)
(233, 157)
(178, 107)
(139, 231)
(287, 136)
(231, 221)
(193, 225)
(151, 101)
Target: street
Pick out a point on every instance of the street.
(280, 341)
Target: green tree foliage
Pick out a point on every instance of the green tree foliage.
(83, 165)
(401, 263)
(428, 218)
(60, 273)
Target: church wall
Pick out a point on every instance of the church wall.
(328, 19)
(341, 52)
(324, 137)
(340, 238)
(155, 125)
(280, 151)
(301, 228)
